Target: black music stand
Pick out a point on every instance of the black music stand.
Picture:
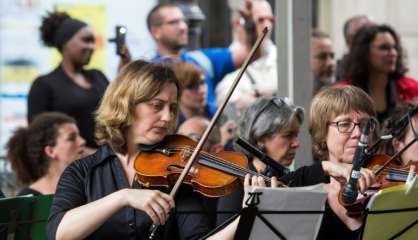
(259, 220)
(25, 217)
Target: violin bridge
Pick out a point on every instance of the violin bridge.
(185, 154)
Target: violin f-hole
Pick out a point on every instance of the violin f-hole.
(173, 167)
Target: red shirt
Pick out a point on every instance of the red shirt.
(406, 87)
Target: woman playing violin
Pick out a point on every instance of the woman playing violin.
(336, 117)
(273, 124)
(97, 197)
(404, 138)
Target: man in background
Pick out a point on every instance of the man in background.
(322, 60)
(260, 78)
(167, 25)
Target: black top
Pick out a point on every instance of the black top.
(27, 191)
(303, 176)
(333, 228)
(100, 174)
(3, 229)
(57, 92)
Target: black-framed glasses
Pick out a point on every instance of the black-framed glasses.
(347, 126)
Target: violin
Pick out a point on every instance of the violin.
(189, 165)
(212, 175)
(393, 174)
(388, 174)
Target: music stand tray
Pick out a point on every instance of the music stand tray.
(25, 217)
(392, 214)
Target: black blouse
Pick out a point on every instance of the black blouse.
(100, 174)
(333, 228)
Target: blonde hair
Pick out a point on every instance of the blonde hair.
(137, 82)
(330, 103)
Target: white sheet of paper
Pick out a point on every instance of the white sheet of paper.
(291, 226)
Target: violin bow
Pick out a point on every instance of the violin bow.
(212, 123)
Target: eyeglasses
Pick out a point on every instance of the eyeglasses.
(346, 126)
(196, 85)
(278, 102)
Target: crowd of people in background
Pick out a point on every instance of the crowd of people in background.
(75, 113)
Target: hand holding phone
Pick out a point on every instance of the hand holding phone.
(119, 39)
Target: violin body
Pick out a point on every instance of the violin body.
(393, 174)
(163, 165)
(390, 175)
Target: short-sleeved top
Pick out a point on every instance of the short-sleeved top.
(100, 174)
(3, 229)
(57, 92)
(215, 62)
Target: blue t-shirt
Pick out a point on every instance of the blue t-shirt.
(215, 62)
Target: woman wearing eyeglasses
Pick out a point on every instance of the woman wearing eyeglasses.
(273, 124)
(69, 88)
(336, 118)
(193, 99)
(375, 64)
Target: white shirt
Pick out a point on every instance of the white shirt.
(263, 71)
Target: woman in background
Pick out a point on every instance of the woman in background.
(70, 88)
(193, 99)
(40, 152)
(375, 64)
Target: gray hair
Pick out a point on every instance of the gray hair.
(267, 116)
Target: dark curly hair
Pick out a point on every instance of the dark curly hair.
(49, 26)
(25, 149)
(358, 66)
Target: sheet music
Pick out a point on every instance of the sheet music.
(387, 225)
(292, 226)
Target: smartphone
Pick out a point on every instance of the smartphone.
(120, 38)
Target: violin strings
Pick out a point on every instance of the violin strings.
(235, 167)
(215, 159)
(394, 170)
